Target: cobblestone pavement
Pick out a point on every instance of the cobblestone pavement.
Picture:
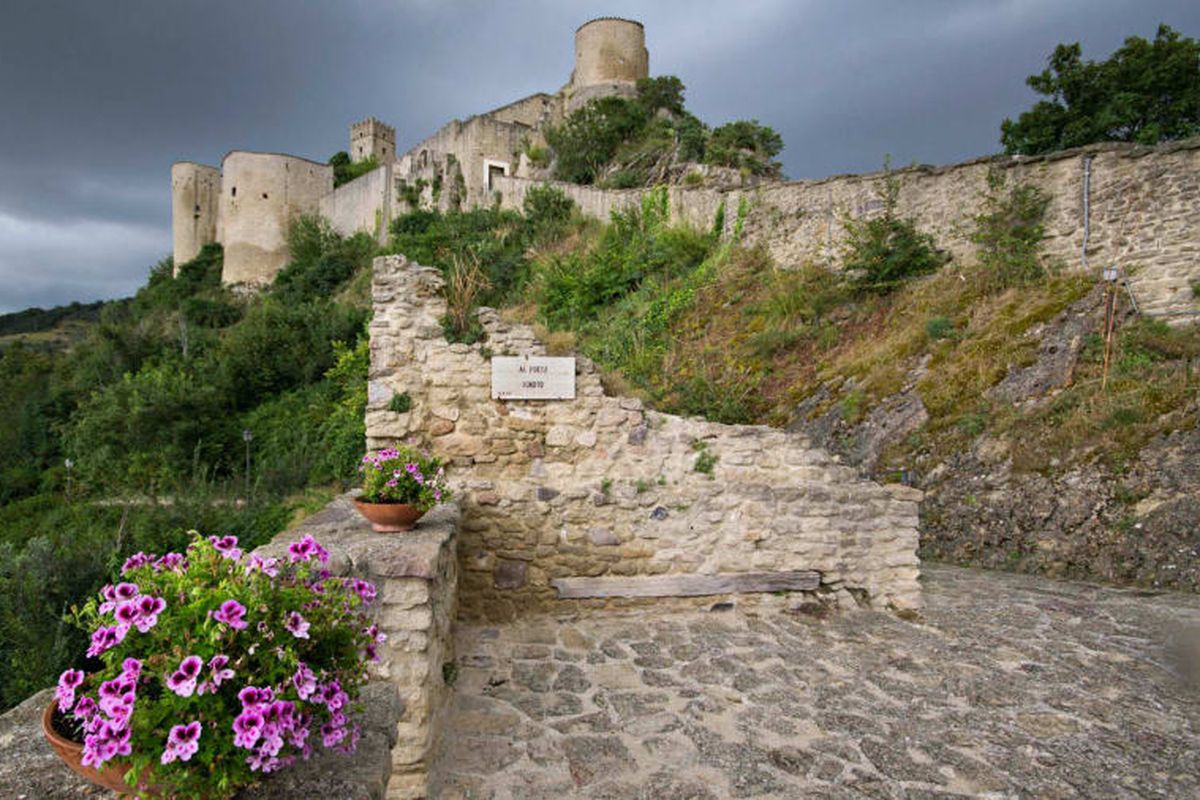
(1010, 686)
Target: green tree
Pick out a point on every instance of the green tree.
(1146, 92)
(745, 144)
(590, 136)
(664, 91)
(1009, 230)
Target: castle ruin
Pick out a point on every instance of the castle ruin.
(247, 205)
(1112, 204)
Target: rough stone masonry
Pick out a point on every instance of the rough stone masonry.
(599, 486)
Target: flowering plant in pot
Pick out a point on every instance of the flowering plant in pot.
(399, 485)
(215, 668)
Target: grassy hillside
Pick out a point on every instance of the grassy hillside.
(985, 382)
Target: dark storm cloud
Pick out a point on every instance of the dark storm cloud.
(98, 98)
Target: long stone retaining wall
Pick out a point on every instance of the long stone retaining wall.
(1137, 207)
(599, 487)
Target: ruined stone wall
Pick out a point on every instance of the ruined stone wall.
(195, 193)
(1143, 211)
(535, 110)
(363, 204)
(260, 195)
(474, 144)
(599, 486)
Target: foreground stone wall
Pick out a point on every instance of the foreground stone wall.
(416, 576)
(599, 486)
(1143, 211)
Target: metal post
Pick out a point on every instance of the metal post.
(247, 436)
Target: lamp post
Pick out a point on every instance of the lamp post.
(247, 436)
(69, 464)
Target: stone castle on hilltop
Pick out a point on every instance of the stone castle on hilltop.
(248, 202)
(1132, 207)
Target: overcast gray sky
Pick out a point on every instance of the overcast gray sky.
(98, 97)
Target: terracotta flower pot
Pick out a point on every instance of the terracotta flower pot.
(389, 517)
(110, 776)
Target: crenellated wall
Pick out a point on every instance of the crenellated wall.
(1142, 211)
(600, 486)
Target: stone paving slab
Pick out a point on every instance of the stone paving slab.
(1008, 687)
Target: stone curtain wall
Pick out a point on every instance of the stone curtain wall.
(363, 204)
(1143, 215)
(599, 486)
(416, 576)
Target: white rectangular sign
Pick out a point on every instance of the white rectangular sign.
(533, 378)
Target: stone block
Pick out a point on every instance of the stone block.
(510, 574)
(404, 593)
(602, 537)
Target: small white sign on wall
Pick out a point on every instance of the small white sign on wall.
(533, 378)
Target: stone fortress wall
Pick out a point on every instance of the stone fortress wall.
(195, 193)
(598, 486)
(261, 193)
(1137, 207)
(365, 204)
(454, 168)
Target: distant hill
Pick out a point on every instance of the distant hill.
(35, 320)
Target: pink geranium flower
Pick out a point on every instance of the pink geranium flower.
(183, 680)
(182, 742)
(232, 613)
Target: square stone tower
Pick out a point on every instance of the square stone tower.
(372, 138)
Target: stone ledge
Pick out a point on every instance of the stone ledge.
(356, 549)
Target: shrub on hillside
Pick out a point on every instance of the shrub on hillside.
(588, 139)
(547, 211)
(147, 431)
(279, 346)
(496, 239)
(884, 251)
(1009, 231)
(322, 261)
(637, 244)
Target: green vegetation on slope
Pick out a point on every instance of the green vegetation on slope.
(621, 143)
(134, 435)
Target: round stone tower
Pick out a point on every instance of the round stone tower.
(610, 57)
(261, 194)
(195, 192)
